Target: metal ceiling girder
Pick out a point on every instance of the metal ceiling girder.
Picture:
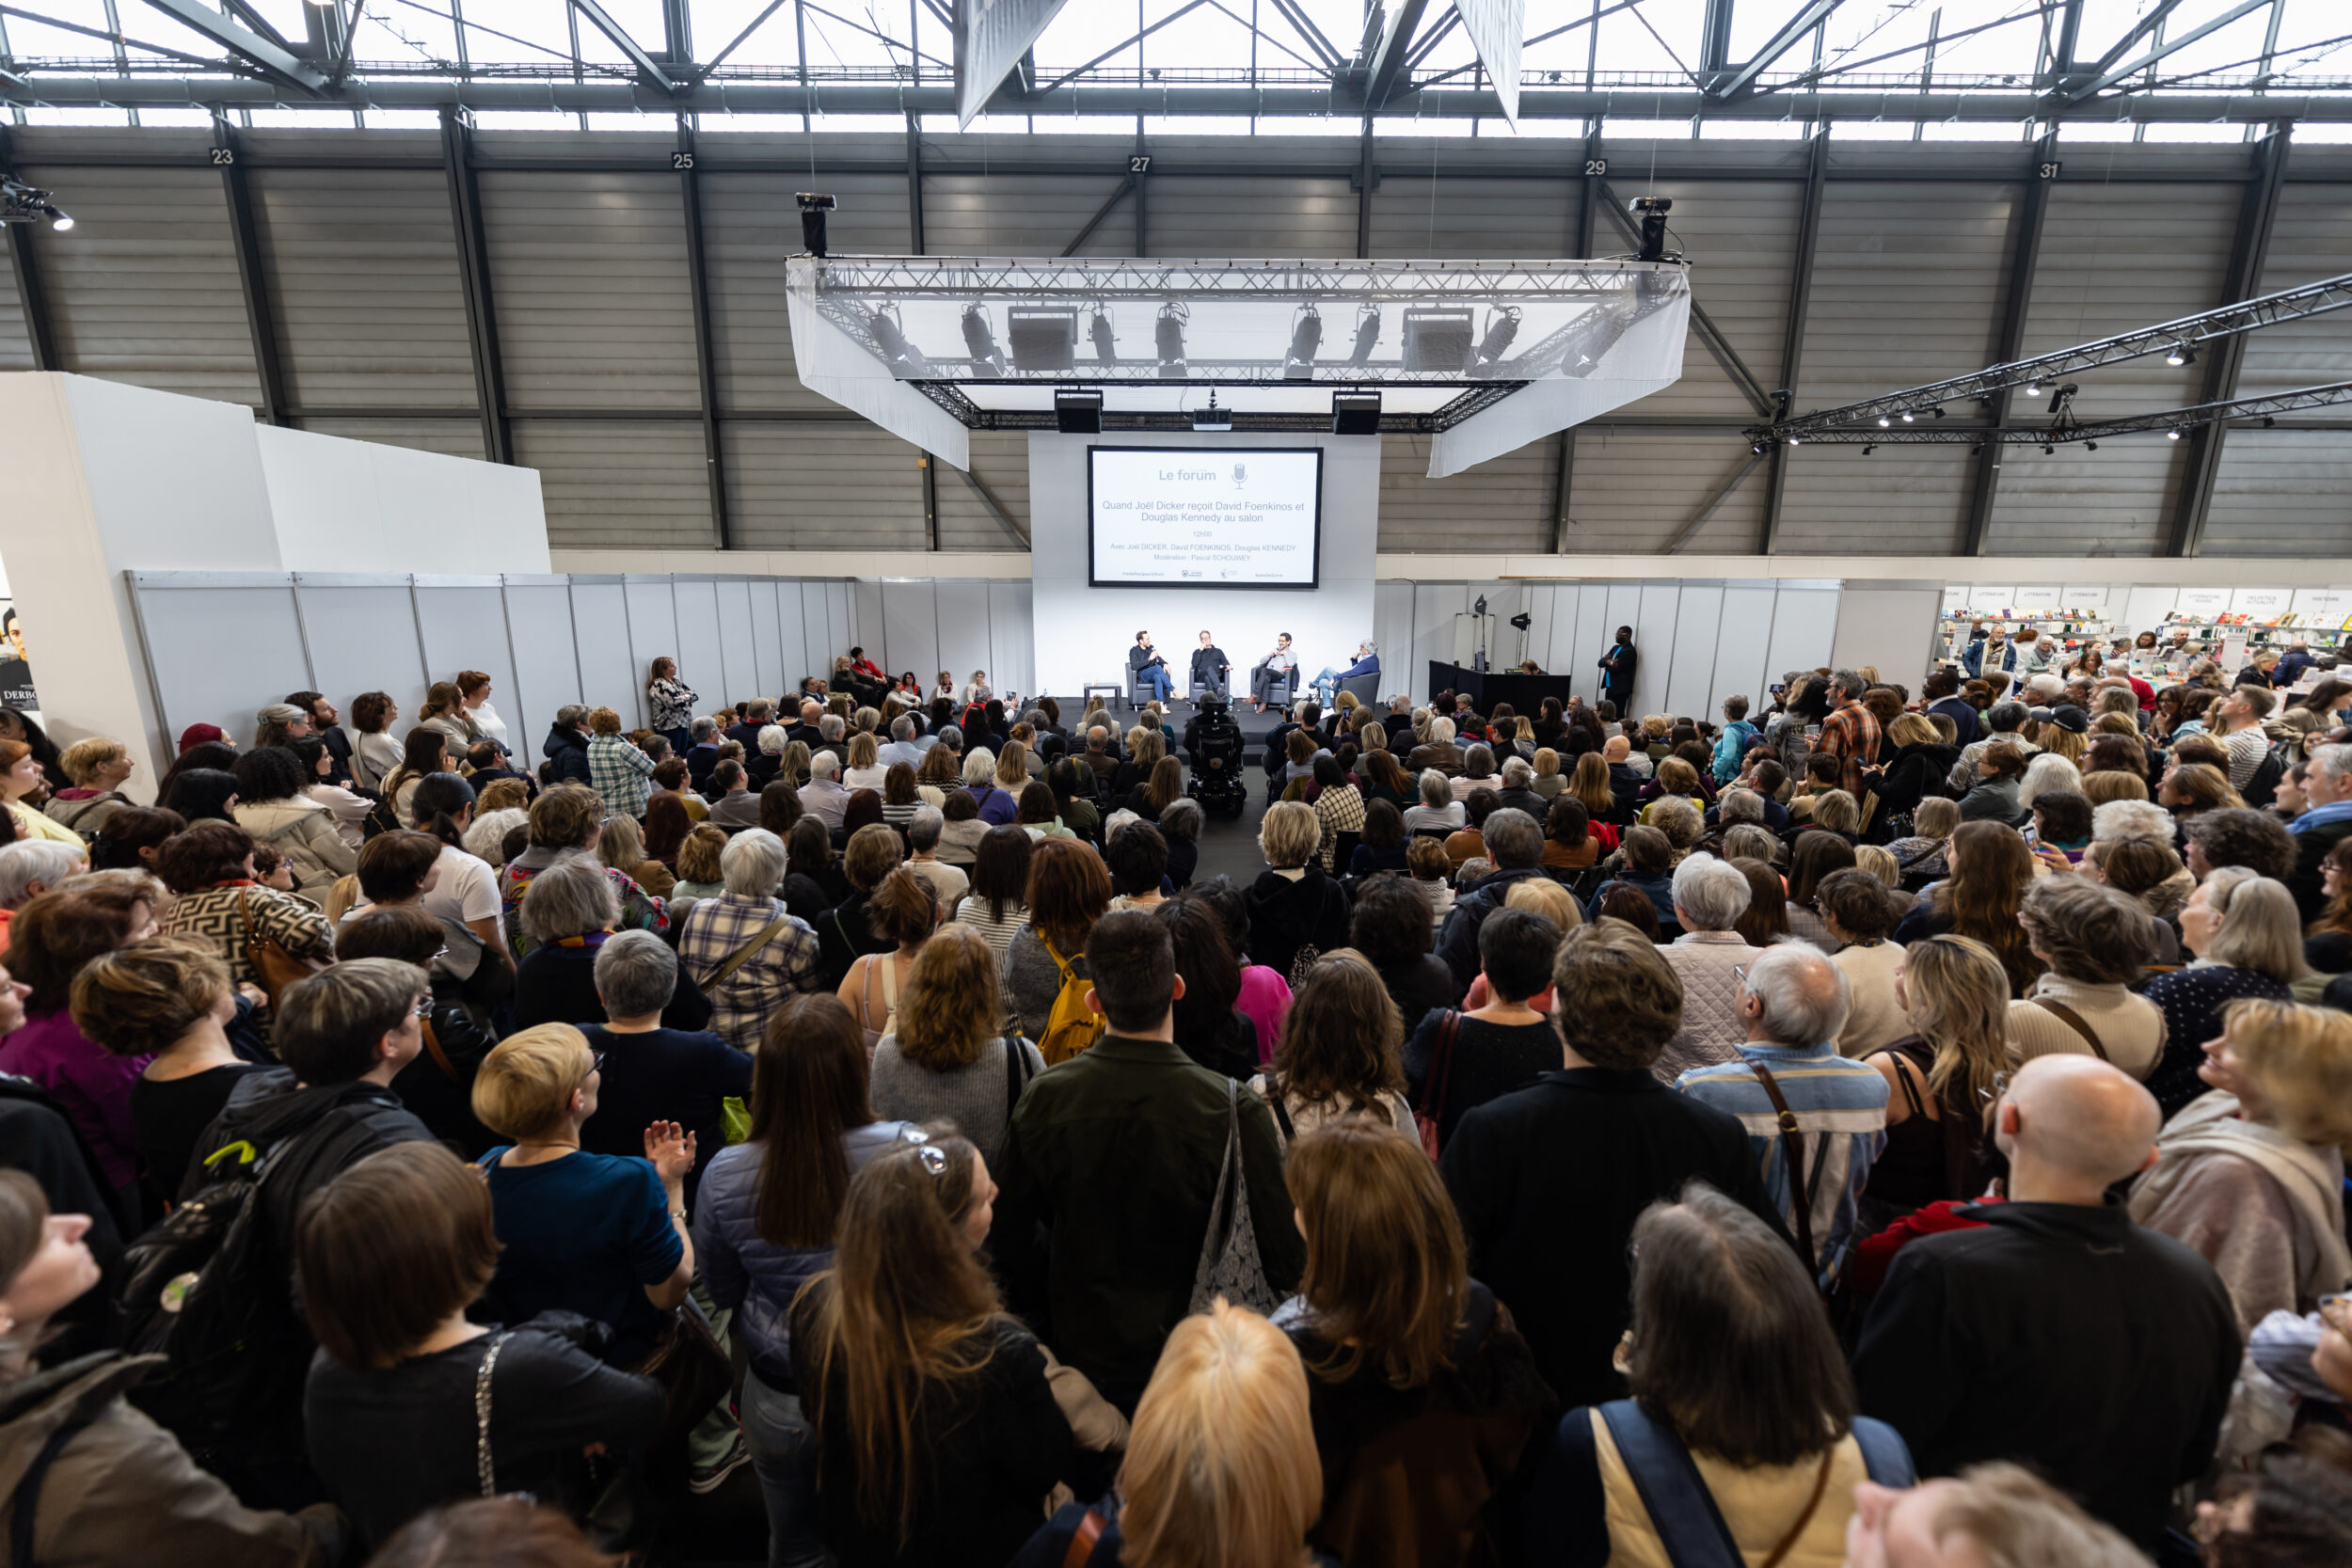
(602, 21)
(991, 36)
(725, 95)
(2109, 79)
(1812, 16)
(1395, 47)
(243, 44)
(2308, 299)
(2324, 396)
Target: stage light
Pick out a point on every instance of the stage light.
(1868, 451)
(1792, 441)
(1305, 337)
(60, 221)
(1884, 422)
(1523, 621)
(2033, 388)
(1354, 413)
(1077, 411)
(1106, 340)
(1044, 338)
(1367, 334)
(1167, 340)
(24, 203)
(1479, 607)
(1212, 418)
(2091, 446)
(1653, 209)
(1757, 447)
(1937, 410)
(1906, 416)
(905, 360)
(814, 207)
(2181, 355)
(1502, 325)
(2048, 450)
(1438, 339)
(2172, 435)
(988, 360)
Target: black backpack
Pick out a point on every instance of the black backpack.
(205, 1288)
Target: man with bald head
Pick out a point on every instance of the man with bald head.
(2054, 1331)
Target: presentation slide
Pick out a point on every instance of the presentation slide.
(1177, 517)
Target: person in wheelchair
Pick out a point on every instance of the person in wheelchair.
(1213, 741)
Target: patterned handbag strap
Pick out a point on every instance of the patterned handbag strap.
(484, 1470)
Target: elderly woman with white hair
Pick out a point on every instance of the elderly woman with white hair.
(31, 867)
(743, 948)
(2248, 942)
(2046, 774)
(1437, 808)
(996, 805)
(1709, 897)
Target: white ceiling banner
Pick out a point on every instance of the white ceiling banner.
(991, 37)
(1496, 30)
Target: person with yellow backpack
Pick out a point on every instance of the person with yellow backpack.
(1047, 978)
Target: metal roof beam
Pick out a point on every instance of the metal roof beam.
(2100, 83)
(1787, 38)
(603, 23)
(1394, 49)
(243, 44)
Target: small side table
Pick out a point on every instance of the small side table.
(1112, 693)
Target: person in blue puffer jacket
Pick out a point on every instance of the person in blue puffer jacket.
(764, 1224)
(1731, 747)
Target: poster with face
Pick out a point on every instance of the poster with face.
(16, 671)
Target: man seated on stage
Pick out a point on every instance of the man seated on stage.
(1327, 684)
(1212, 671)
(1270, 677)
(1147, 668)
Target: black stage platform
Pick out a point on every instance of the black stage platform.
(1255, 726)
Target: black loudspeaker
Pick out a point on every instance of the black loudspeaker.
(1043, 337)
(1354, 413)
(1078, 413)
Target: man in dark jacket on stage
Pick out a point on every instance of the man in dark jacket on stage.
(1212, 671)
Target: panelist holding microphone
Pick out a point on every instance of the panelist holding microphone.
(1147, 668)
(1212, 671)
(1272, 673)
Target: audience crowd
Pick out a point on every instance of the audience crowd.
(1883, 1127)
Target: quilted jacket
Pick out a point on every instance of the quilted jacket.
(1711, 1030)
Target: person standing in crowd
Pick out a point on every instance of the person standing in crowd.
(2251, 1174)
(324, 725)
(209, 868)
(1617, 668)
(649, 1072)
(1962, 1356)
(1738, 1383)
(99, 768)
(1709, 897)
(937, 1430)
(1340, 1050)
(672, 701)
(96, 1480)
(1815, 1120)
(436, 1086)
(1850, 732)
(949, 1059)
(600, 1235)
(1940, 1076)
(743, 949)
(617, 769)
(1425, 1395)
(1992, 1513)
(1515, 844)
(23, 785)
(768, 1217)
(2096, 943)
(1100, 1205)
(275, 806)
(2326, 822)
(2241, 928)
(1549, 1180)
(1458, 1061)
(410, 1404)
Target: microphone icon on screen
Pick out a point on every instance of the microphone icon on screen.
(1241, 475)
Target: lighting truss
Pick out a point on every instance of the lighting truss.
(1577, 310)
(2167, 420)
(2309, 299)
(973, 417)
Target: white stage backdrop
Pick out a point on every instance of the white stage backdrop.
(1083, 633)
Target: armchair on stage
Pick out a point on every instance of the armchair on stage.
(1366, 686)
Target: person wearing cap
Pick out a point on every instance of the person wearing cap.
(199, 735)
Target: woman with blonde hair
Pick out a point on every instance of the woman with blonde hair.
(865, 771)
(949, 1059)
(2113, 783)
(2191, 787)
(1549, 780)
(1955, 994)
(2248, 941)
(1338, 1052)
(2251, 1174)
(1221, 1469)
(937, 1433)
(1426, 1394)
(1590, 784)
(621, 846)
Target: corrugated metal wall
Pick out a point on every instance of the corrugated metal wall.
(594, 301)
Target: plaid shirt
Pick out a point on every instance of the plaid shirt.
(1340, 811)
(618, 771)
(714, 929)
(1851, 731)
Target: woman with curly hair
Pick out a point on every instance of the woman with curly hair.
(1991, 868)
(948, 1059)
